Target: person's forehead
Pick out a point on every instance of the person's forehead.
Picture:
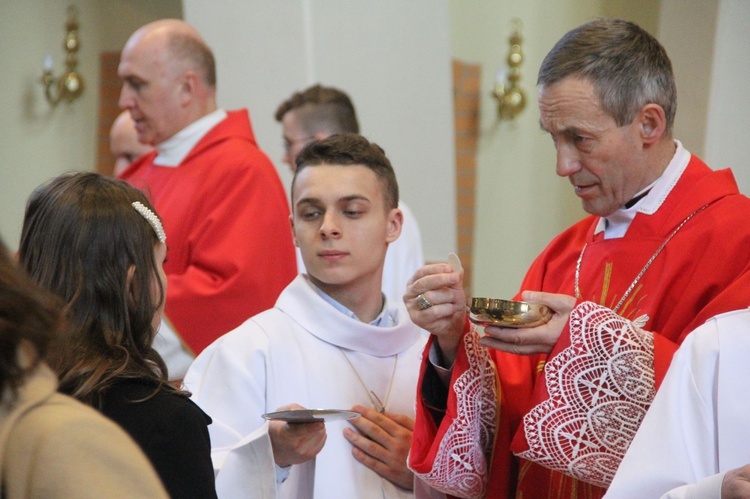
(336, 181)
(290, 122)
(143, 55)
(569, 103)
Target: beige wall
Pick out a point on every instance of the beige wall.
(391, 56)
(727, 143)
(37, 141)
(521, 203)
(687, 29)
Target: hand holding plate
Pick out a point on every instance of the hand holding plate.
(295, 443)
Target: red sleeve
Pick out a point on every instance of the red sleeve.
(454, 456)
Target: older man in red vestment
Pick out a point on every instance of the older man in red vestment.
(549, 411)
(222, 203)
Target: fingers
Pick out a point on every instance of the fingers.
(435, 296)
(524, 341)
(446, 314)
(512, 346)
(380, 434)
(402, 419)
(428, 270)
(562, 304)
(379, 427)
(382, 443)
(295, 443)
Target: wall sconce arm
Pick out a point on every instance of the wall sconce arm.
(69, 85)
(511, 99)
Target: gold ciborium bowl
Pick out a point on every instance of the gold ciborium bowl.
(507, 313)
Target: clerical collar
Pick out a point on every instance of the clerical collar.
(648, 200)
(172, 151)
(384, 319)
(638, 197)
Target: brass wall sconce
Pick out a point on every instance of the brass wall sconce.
(69, 85)
(511, 99)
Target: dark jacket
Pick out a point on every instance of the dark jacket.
(172, 431)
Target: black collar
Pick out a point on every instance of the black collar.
(635, 200)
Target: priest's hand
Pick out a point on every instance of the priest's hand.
(736, 483)
(436, 302)
(295, 443)
(382, 444)
(532, 340)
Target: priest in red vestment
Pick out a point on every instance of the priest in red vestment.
(549, 411)
(222, 203)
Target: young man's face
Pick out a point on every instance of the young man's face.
(343, 228)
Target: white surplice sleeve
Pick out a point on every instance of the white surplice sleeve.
(675, 445)
(228, 381)
(676, 452)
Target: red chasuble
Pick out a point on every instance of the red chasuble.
(226, 216)
(576, 409)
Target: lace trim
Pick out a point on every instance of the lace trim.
(461, 464)
(599, 390)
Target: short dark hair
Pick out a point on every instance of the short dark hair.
(29, 314)
(187, 47)
(351, 149)
(80, 238)
(321, 109)
(627, 66)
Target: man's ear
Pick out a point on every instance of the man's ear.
(188, 86)
(395, 223)
(294, 232)
(653, 123)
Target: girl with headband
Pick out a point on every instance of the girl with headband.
(98, 244)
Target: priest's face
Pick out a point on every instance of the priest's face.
(343, 228)
(605, 162)
(153, 87)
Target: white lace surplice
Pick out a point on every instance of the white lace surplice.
(599, 390)
(461, 466)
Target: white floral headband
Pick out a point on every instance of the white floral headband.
(152, 219)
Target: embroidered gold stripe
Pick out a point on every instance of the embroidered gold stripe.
(605, 284)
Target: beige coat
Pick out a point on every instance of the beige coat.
(53, 446)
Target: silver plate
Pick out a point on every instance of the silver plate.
(311, 415)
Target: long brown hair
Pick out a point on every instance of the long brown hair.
(80, 238)
(28, 314)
